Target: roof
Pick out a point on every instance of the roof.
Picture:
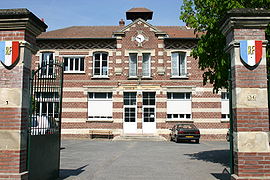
(178, 31)
(139, 9)
(84, 32)
(139, 12)
(80, 32)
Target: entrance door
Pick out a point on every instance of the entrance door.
(130, 113)
(149, 113)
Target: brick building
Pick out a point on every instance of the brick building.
(131, 79)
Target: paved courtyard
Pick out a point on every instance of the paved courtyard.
(137, 160)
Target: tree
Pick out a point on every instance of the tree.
(205, 16)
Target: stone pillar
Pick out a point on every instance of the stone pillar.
(23, 26)
(249, 95)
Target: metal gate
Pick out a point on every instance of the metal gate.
(44, 132)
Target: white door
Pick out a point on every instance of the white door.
(149, 113)
(130, 123)
(149, 120)
(130, 113)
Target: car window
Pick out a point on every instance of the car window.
(186, 126)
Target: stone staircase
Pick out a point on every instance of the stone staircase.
(139, 137)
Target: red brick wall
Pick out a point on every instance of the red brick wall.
(252, 165)
(86, 79)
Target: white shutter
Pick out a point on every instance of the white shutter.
(100, 108)
(178, 106)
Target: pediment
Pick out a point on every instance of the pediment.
(139, 21)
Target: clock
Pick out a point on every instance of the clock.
(139, 38)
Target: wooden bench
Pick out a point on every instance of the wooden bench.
(100, 133)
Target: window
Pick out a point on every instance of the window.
(101, 64)
(132, 65)
(46, 64)
(146, 65)
(149, 102)
(224, 95)
(47, 104)
(225, 116)
(130, 114)
(130, 106)
(129, 98)
(73, 64)
(100, 105)
(179, 106)
(178, 95)
(225, 110)
(149, 98)
(179, 64)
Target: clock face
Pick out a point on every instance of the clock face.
(139, 38)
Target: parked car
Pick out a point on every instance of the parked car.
(185, 131)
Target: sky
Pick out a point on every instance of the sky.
(65, 13)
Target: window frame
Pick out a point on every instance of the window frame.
(179, 116)
(149, 65)
(225, 96)
(74, 71)
(129, 106)
(180, 74)
(47, 74)
(42, 99)
(149, 101)
(225, 99)
(108, 98)
(185, 96)
(136, 71)
(100, 66)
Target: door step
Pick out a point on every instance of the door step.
(139, 138)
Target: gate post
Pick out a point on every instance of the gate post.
(249, 93)
(22, 26)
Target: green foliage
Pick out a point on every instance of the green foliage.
(205, 16)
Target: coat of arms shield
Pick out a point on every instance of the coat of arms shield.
(251, 52)
(9, 52)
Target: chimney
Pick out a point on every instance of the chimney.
(121, 22)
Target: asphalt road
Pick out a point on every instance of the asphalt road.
(135, 160)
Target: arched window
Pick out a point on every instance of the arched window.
(100, 64)
(46, 63)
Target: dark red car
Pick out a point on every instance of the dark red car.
(185, 131)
